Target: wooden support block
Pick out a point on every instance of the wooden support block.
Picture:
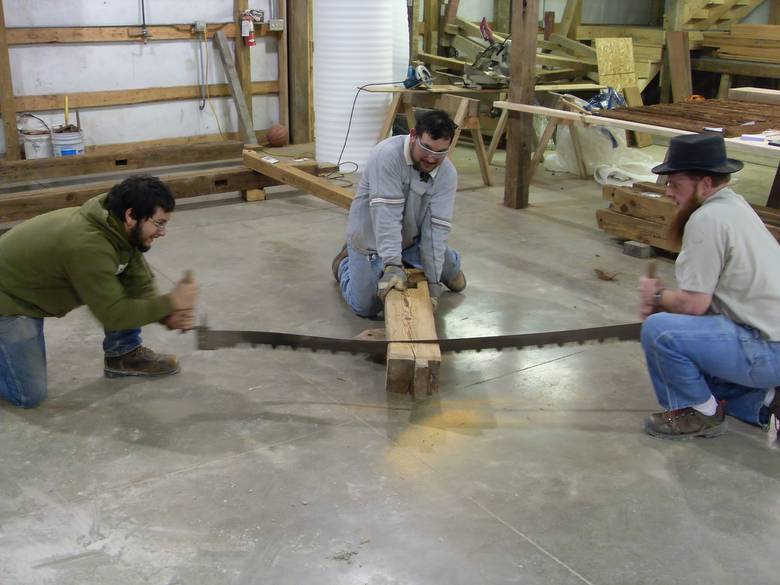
(290, 175)
(7, 109)
(253, 195)
(411, 368)
(633, 228)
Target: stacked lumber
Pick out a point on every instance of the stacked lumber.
(642, 213)
(734, 117)
(747, 42)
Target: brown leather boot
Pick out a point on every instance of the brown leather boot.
(686, 423)
(141, 361)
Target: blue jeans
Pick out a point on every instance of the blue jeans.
(359, 276)
(23, 357)
(691, 358)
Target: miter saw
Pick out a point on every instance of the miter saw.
(491, 67)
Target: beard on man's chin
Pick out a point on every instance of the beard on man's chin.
(680, 219)
(135, 238)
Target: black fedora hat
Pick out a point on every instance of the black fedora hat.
(697, 152)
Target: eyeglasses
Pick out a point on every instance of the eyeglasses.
(159, 224)
(432, 153)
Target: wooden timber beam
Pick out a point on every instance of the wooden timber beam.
(575, 47)
(572, 14)
(454, 64)
(736, 67)
(290, 175)
(246, 126)
(125, 159)
(121, 34)
(501, 15)
(520, 138)
(7, 96)
(411, 367)
(192, 183)
(122, 97)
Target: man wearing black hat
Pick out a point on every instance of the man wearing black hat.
(713, 344)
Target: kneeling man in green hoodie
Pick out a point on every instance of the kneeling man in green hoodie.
(90, 255)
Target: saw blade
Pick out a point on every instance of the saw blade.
(210, 339)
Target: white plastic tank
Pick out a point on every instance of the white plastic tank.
(354, 44)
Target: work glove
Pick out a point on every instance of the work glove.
(434, 291)
(393, 277)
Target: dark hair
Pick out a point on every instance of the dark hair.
(717, 178)
(437, 124)
(141, 193)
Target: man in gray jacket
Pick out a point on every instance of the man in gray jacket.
(402, 216)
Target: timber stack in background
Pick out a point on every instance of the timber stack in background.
(643, 213)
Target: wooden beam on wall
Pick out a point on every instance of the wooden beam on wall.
(121, 34)
(520, 139)
(126, 159)
(300, 66)
(7, 110)
(121, 97)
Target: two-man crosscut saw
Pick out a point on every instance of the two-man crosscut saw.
(216, 339)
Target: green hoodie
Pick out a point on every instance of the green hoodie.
(55, 262)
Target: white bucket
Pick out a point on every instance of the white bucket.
(67, 143)
(37, 144)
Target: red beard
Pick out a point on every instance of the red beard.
(680, 219)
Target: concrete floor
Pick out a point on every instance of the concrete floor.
(256, 466)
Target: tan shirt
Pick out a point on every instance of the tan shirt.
(728, 252)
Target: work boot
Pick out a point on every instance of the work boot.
(457, 283)
(337, 261)
(686, 423)
(140, 362)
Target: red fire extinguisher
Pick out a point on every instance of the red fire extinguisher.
(248, 30)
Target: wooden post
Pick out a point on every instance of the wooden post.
(774, 11)
(431, 17)
(284, 90)
(525, 25)
(501, 15)
(300, 65)
(414, 29)
(549, 24)
(7, 105)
